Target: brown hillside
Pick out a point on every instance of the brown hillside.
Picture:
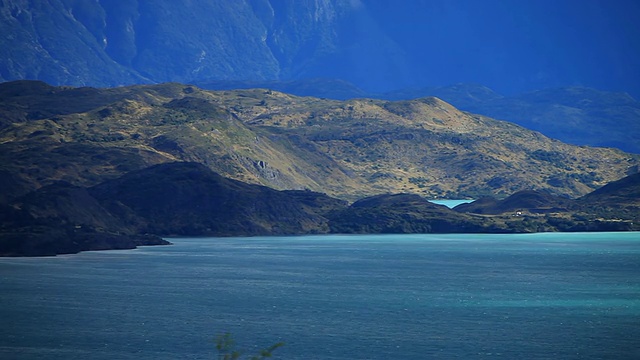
(347, 149)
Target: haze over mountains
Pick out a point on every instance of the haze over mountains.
(378, 45)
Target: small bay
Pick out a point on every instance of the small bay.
(450, 203)
(466, 296)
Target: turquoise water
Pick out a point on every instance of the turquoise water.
(450, 203)
(531, 296)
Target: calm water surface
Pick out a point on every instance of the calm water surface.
(450, 203)
(533, 296)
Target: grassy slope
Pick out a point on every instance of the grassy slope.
(347, 149)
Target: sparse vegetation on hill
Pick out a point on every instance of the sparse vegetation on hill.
(575, 115)
(347, 149)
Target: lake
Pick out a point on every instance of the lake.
(450, 203)
(454, 296)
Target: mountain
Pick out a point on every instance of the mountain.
(376, 45)
(405, 213)
(613, 207)
(623, 194)
(529, 200)
(575, 115)
(61, 219)
(115, 42)
(346, 149)
(336, 48)
(320, 88)
(184, 199)
(190, 199)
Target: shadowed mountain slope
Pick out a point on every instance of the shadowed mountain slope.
(184, 199)
(62, 219)
(623, 192)
(188, 199)
(122, 42)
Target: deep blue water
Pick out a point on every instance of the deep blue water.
(533, 296)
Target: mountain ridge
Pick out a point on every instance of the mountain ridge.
(349, 149)
(572, 114)
(376, 45)
(115, 43)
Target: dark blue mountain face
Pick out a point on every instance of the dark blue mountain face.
(113, 42)
(378, 45)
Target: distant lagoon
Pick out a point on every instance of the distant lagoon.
(454, 296)
(450, 203)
